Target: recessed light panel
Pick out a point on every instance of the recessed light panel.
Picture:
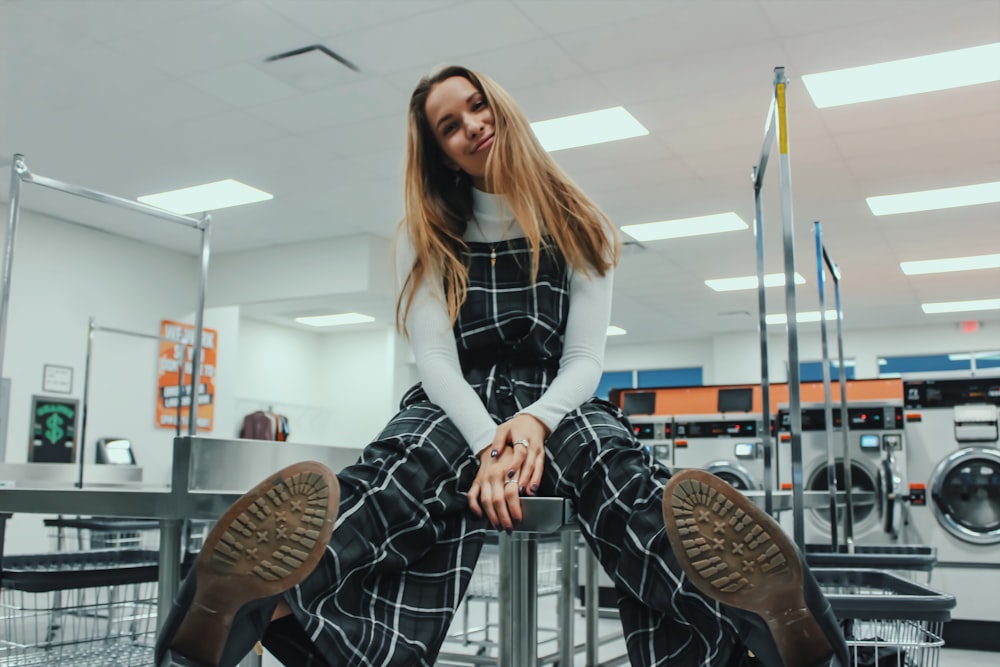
(950, 264)
(806, 316)
(931, 200)
(616, 331)
(671, 229)
(207, 197)
(960, 306)
(585, 129)
(910, 76)
(339, 319)
(750, 282)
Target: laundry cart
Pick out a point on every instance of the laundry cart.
(888, 621)
(479, 627)
(912, 561)
(83, 608)
(84, 533)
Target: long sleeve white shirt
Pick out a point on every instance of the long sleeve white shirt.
(436, 352)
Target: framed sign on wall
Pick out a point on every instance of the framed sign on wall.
(53, 430)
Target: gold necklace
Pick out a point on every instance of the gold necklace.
(493, 246)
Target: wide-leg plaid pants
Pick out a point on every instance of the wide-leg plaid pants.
(405, 545)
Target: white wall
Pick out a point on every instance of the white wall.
(64, 274)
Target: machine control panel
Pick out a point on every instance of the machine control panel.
(861, 418)
(949, 393)
(716, 429)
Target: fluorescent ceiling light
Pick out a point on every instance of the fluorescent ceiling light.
(207, 197)
(931, 200)
(750, 282)
(334, 320)
(960, 306)
(896, 78)
(806, 316)
(671, 229)
(972, 263)
(584, 129)
(616, 331)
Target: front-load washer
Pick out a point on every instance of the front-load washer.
(954, 472)
(875, 439)
(656, 432)
(728, 445)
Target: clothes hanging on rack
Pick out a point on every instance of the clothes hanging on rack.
(261, 425)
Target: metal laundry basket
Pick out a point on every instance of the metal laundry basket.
(90, 608)
(888, 621)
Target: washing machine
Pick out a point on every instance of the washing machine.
(656, 432)
(878, 470)
(725, 444)
(954, 470)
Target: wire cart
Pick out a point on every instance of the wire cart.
(912, 561)
(887, 620)
(89, 533)
(89, 608)
(484, 587)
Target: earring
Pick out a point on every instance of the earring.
(458, 178)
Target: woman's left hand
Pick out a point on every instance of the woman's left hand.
(514, 468)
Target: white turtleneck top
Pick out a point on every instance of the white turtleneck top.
(436, 352)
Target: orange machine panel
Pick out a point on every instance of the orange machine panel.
(704, 400)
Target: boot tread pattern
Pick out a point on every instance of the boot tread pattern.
(726, 547)
(277, 531)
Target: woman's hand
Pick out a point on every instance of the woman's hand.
(510, 467)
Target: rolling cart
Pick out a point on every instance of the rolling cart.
(88, 608)
(888, 621)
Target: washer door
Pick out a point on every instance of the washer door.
(734, 473)
(965, 490)
(862, 480)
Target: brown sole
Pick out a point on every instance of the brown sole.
(733, 552)
(268, 541)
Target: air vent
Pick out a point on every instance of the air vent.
(309, 49)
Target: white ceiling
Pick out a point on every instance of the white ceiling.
(132, 98)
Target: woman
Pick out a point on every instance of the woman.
(505, 295)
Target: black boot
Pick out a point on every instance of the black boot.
(733, 552)
(269, 541)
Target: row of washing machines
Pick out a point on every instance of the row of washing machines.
(926, 468)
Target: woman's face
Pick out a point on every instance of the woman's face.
(462, 123)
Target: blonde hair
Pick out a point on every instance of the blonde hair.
(551, 209)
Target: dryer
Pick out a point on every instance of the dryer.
(725, 444)
(954, 470)
(878, 469)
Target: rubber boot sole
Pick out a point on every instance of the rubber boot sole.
(268, 541)
(733, 552)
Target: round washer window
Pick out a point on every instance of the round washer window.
(861, 480)
(969, 493)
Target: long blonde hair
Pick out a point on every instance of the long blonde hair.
(551, 209)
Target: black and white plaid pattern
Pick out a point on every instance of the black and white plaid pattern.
(406, 543)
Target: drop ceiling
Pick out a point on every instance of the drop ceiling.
(140, 97)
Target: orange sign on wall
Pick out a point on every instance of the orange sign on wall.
(173, 392)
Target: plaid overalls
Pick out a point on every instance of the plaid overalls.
(406, 543)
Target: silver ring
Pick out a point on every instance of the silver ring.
(510, 481)
(522, 441)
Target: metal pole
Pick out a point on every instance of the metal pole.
(848, 481)
(591, 606)
(105, 198)
(765, 385)
(567, 582)
(8, 258)
(199, 322)
(86, 398)
(831, 459)
(788, 234)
